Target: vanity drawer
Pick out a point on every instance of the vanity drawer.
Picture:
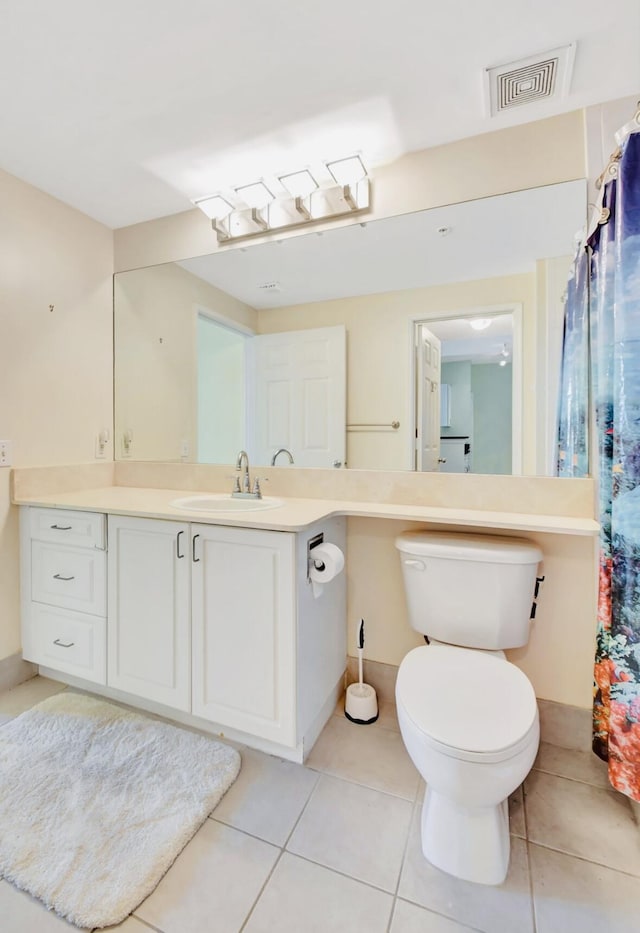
(67, 641)
(69, 577)
(80, 529)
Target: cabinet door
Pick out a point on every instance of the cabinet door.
(244, 638)
(148, 640)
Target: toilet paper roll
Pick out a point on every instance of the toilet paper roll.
(326, 561)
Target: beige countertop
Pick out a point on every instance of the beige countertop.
(296, 514)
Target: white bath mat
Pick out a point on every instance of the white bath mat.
(96, 803)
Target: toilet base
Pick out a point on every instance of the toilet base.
(471, 843)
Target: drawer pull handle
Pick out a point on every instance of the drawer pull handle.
(62, 527)
(63, 644)
(58, 576)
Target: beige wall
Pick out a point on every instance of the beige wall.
(155, 339)
(542, 153)
(55, 366)
(379, 330)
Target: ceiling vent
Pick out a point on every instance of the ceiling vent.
(539, 77)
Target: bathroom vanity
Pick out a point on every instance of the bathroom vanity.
(209, 623)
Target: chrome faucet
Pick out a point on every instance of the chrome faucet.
(243, 490)
(282, 450)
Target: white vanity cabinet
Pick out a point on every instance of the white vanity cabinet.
(149, 624)
(217, 623)
(63, 584)
(244, 630)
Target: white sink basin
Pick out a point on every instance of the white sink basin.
(221, 502)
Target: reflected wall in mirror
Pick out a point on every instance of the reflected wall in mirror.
(246, 347)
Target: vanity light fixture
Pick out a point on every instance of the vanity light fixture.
(305, 201)
(217, 207)
(299, 184)
(347, 171)
(255, 195)
(480, 323)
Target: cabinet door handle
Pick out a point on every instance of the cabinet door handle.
(196, 560)
(58, 576)
(62, 527)
(178, 554)
(62, 644)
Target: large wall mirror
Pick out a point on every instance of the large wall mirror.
(426, 341)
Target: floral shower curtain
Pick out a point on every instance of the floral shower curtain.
(613, 254)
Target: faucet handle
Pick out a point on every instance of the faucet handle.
(256, 485)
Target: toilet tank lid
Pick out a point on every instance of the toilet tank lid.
(466, 699)
(493, 549)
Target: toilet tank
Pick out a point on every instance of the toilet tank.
(470, 590)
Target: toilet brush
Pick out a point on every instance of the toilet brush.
(361, 703)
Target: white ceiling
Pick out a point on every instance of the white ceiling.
(127, 110)
(489, 237)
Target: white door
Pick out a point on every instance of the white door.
(428, 401)
(300, 396)
(244, 630)
(148, 641)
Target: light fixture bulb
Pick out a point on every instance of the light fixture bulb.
(480, 323)
(503, 362)
(348, 171)
(217, 208)
(255, 195)
(299, 184)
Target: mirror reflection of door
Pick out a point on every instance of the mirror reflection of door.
(221, 390)
(428, 399)
(300, 391)
(479, 376)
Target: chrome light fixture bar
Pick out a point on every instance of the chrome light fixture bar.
(305, 202)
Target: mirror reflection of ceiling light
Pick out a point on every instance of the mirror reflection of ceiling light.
(217, 208)
(348, 171)
(299, 184)
(255, 195)
(480, 323)
(504, 353)
(503, 362)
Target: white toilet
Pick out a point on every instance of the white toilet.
(468, 717)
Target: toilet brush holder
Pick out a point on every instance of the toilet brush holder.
(361, 702)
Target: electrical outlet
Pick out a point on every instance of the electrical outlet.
(185, 450)
(6, 453)
(102, 439)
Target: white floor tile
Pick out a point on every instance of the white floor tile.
(491, 909)
(355, 830)
(26, 695)
(20, 913)
(574, 895)
(582, 820)
(267, 797)
(366, 755)
(409, 918)
(305, 898)
(569, 763)
(219, 874)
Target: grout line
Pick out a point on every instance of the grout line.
(576, 780)
(404, 856)
(140, 920)
(583, 858)
(389, 793)
(283, 849)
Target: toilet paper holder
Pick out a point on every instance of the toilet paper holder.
(311, 543)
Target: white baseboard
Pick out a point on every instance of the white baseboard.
(14, 671)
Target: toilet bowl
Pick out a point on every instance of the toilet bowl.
(469, 721)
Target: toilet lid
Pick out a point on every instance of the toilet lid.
(466, 699)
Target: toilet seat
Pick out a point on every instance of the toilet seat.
(467, 704)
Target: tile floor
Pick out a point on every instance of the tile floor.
(335, 846)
